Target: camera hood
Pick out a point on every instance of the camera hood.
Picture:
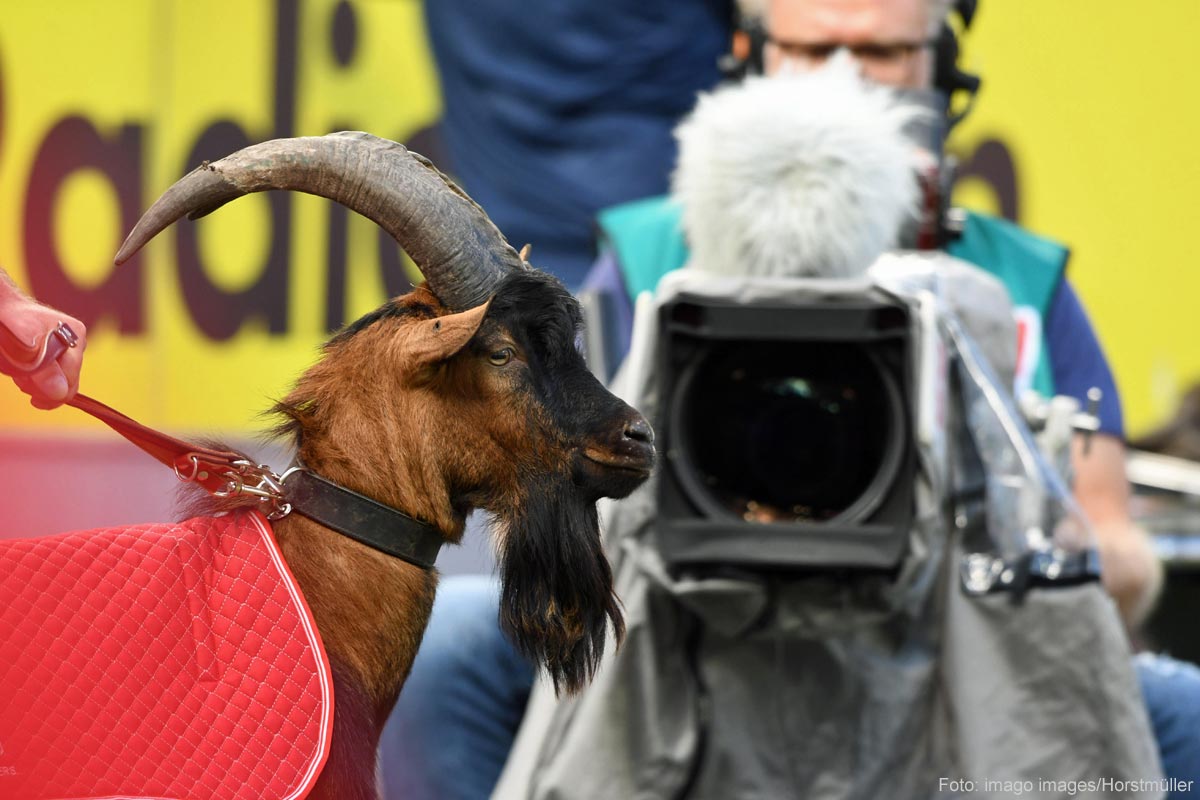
(787, 432)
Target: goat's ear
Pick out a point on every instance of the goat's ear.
(437, 339)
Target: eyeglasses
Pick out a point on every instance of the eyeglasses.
(884, 61)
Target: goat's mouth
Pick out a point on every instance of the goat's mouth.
(641, 463)
(611, 474)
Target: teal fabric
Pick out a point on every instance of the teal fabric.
(647, 236)
(1029, 266)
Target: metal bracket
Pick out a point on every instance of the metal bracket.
(243, 478)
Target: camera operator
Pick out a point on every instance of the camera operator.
(893, 42)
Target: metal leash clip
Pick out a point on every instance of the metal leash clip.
(242, 478)
(256, 480)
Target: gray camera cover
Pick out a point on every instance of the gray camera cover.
(757, 687)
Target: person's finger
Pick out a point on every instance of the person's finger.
(25, 383)
(26, 320)
(15, 352)
(27, 329)
(51, 384)
(42, 405)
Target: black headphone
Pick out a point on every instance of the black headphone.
(739, 65)
(947, 76)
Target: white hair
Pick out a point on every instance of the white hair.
(803, 175)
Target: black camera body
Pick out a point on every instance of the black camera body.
(787, 429)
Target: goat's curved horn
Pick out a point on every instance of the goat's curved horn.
(457, 247)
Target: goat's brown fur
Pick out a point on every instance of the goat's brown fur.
(406, 409)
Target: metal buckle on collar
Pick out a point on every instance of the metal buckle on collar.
(256, 480)
(243, 478)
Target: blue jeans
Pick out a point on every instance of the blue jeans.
(1172, 692)
(458, 715)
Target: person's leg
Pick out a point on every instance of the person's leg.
(1172, 692)
(459, 711)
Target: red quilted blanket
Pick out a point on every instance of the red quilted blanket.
(159, 661)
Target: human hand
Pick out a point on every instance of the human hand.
(30, 334)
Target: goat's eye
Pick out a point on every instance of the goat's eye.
(501, 357)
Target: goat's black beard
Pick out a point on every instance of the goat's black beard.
(557, 591)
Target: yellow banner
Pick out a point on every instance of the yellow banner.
(1086, 107)
(104, 105)
(1094, 106)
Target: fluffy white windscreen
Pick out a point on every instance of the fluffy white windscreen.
(796, 175)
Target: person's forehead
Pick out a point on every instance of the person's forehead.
(848, 21)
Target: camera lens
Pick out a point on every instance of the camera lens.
(789, 431)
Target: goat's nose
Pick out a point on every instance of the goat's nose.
(639, 431)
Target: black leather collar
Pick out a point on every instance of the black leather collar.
(361, 518)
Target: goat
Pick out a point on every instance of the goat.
(468, 392)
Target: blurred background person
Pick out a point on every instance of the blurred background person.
(546, 130)
(557, 110)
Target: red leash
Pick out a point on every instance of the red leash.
(221, 472)
(212, 469)
(224, 473)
